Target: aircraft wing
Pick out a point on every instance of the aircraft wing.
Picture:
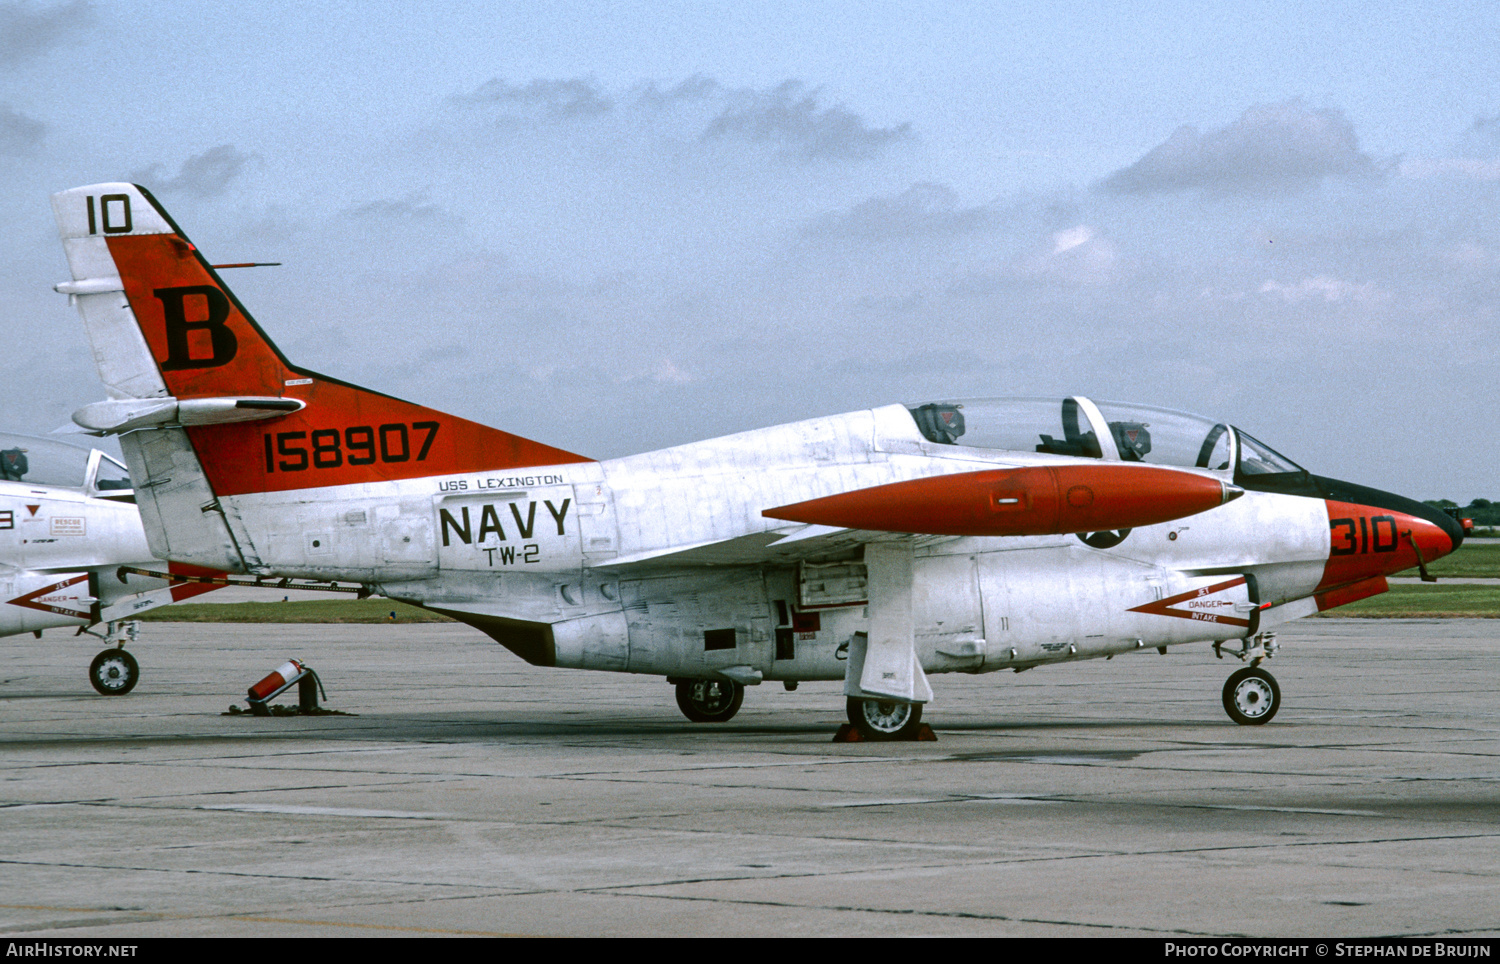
(783, 545)
(1030, 501)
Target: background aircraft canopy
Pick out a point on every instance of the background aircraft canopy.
(44, 461)
(1080, 427)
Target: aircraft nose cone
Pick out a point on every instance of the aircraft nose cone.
(1437, 543)
(1231, 492)
(1432, 530)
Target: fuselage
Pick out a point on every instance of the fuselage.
(662, 563)
(60, 540)
(685, 562)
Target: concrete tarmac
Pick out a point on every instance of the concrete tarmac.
(470, 794)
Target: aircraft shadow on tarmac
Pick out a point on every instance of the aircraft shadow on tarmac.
(467, 728)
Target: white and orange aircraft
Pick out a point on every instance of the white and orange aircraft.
(68, 524)
(876, 547)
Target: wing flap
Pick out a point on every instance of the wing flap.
(782, 546)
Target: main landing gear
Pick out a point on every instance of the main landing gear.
(885, 719)
(1251, 696)
(709, 700)
(115, 672)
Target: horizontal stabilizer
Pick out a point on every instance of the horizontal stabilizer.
(1031, 501)
(128, 414)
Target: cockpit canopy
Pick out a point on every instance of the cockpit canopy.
(44, 461)
(1112, 431)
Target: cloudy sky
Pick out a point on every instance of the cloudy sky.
(618, 226)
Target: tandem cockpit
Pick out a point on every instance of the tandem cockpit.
(1112, 431)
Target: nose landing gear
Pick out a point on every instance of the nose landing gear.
(114, 672)
(1251, 696)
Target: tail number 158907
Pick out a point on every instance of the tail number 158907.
(330, 448)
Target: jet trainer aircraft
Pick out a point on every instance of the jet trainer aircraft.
(876, 547)
(68, 522)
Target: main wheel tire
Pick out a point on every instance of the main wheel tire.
(885, 719)
(710, 700)
(1251, 696)
(114, 672)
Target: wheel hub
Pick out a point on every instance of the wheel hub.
(887, 716)
(1252, 697)
(711, 697)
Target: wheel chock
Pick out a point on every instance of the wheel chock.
(849, 734)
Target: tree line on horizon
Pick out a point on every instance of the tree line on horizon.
(1482, 511)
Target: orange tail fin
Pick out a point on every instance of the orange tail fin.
(192, 339)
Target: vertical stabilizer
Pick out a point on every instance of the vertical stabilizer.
(194, 340)
(176, 501)
(235, 417)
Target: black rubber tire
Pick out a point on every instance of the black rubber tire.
(885, 719)
(710, 700)
(1251, 696)
(114, 672)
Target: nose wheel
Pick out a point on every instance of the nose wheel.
(1251, 696)
(114, 672)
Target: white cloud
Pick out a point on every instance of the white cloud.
(205, 175)
(1271, 148)
(20, 136)
(1470, 168)
(28, 30)
(566, 99)
(922, 209)
(1071, 238)
(790, 118)
(1325, 288)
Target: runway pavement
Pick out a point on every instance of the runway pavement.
(472, 794)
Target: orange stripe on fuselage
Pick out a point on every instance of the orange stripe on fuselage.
(206, 346)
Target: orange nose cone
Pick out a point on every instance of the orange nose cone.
(1038, 500)
(1367, 541)
(1432, 540)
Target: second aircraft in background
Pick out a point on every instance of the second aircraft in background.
(68, 523)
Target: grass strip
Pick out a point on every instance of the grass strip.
(1425, 602)
(1472, 561)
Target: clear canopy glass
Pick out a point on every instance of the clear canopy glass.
(44, 461)
(1258, 458)
(1080, 427)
